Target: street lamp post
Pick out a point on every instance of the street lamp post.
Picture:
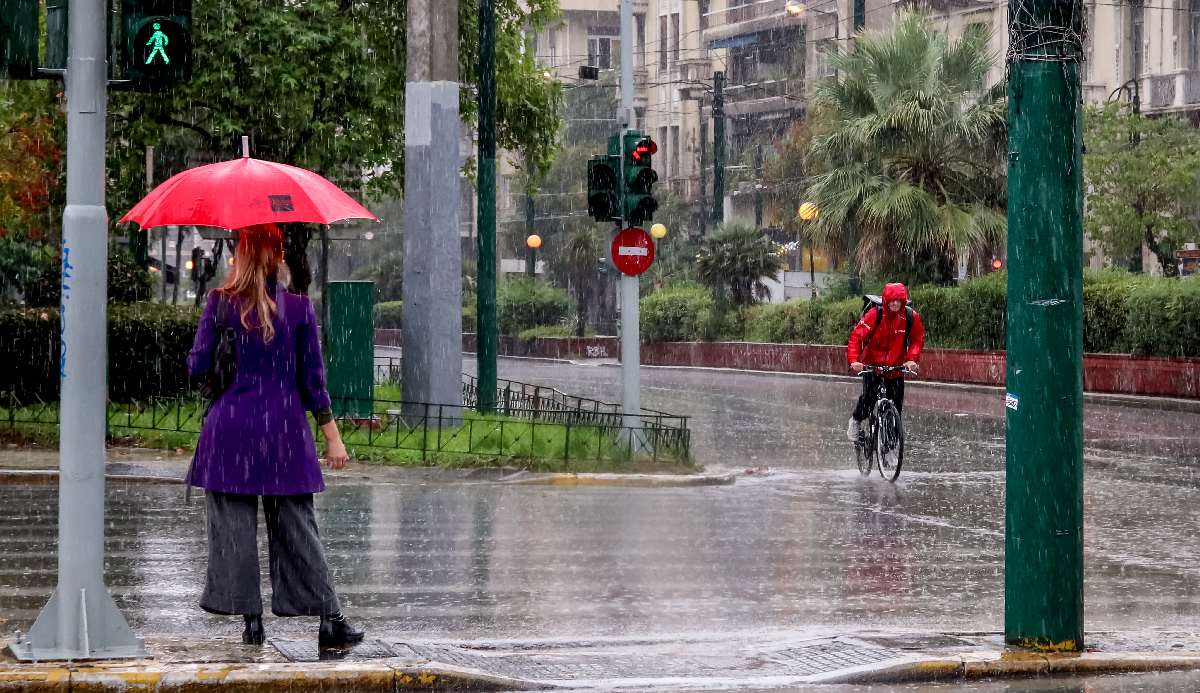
(532, 243)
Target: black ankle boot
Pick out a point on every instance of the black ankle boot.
(336, 631)
(254, 633)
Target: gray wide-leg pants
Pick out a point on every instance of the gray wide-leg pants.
(300, 580)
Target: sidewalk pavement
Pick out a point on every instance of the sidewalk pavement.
(772, 660)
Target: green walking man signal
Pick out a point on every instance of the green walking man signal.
(159, 40)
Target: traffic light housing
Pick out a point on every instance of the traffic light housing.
(602, 187)
(158, 42)
(196, 265)
(638, 203)
(19, 35)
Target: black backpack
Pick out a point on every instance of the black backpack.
(872, 301)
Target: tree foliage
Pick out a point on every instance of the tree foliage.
(733, 262)
(320, 84)
(912, 152)
(1141, 176)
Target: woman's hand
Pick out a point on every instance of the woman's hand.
(335, 450)
(335, 454)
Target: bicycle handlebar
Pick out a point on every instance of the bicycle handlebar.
(887, 369)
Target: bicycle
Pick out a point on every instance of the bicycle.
(880, 444)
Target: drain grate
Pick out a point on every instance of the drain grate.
(308, 651)
(549, 667)
(825, 658)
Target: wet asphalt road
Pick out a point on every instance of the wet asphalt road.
(808, 546)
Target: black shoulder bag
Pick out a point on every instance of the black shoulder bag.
(220, 375)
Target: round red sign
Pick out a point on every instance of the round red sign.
(632, 251)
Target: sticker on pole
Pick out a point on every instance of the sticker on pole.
(632, 251)
(1012, 401)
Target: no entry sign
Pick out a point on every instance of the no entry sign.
(632, 251)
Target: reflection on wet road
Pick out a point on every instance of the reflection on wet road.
(807, 547)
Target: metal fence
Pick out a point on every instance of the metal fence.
(419, 430)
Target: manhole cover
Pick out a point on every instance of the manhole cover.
(308, 651)
(824, 658)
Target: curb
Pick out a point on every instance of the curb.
(252, 678)
(50, 476)
(627, 480)
(1023, 665)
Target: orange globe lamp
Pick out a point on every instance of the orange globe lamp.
(534, 241)
(808, 211)
(658, 231)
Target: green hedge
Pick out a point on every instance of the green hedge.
(523, 303)
(685, 313)
(148, 344)
(1123, 313)
(387, 315)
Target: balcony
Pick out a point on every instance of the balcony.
(726, 29)
(764, 96)
(1177, 91)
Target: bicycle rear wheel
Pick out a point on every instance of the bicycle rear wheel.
(889, 440)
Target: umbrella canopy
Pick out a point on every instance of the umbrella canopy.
(243, 192)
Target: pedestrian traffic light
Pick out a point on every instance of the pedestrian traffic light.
(602, 187)
(638, 201)
(19, 39)
(997, 264)
(158, 42)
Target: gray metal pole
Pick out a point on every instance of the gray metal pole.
(631, 396)
(81, 621)
(432, 309)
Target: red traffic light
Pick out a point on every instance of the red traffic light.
(645, 147)
(997, 264)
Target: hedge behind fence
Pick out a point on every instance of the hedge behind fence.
(1123, 313)
(148, 345)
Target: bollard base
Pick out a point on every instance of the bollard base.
(92, 628)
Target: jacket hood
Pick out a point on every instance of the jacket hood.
(895, 292)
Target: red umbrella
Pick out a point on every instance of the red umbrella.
(243, 192)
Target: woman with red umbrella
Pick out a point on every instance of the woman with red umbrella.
(256, 443)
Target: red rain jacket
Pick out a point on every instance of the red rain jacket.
(886, 345)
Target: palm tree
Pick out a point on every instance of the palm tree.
(733, 262)
(912, 150)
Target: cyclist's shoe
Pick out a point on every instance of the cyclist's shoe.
(854, 430)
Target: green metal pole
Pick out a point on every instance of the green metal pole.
(486, 339)
(1043, 560)
(718, 112)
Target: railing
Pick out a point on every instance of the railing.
(765, 89)
(547, 404)
(412, 431)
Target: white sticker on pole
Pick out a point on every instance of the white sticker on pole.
(1012, 401)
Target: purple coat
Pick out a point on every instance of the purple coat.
(256, 439)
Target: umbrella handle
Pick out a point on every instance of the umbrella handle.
(245, 146)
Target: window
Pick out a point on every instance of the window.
(1089, 53)
(662, 43)
(604, 47)
(826, 48)
(1194, 34)
(674, 170)
(640, 34)
(675, 37)
(1137, 24)
(552, 40)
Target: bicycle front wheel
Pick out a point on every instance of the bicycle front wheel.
(889, 440)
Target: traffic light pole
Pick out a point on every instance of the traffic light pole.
(1043, 557)
(631, 354)
(486, 332)
(81, 621)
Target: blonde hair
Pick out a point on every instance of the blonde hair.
(259, 254)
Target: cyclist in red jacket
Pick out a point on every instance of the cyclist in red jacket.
(893, 338)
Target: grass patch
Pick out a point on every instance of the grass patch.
(470, 441)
